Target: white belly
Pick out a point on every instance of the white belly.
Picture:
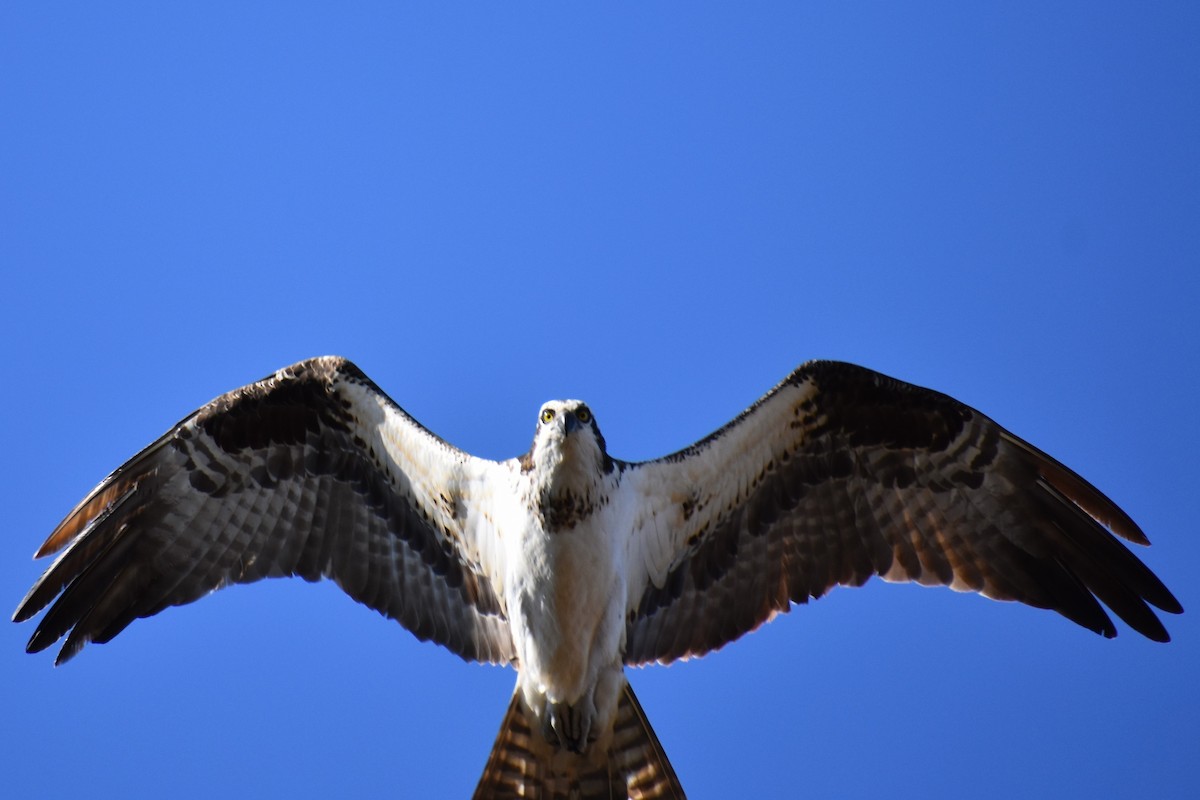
(566, 605)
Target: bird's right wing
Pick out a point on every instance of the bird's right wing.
(312, 471)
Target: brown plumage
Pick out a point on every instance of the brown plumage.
(865, 475)
(273, 479)
(633, 766)
(835, 475)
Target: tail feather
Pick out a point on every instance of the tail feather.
(637, 754)
(633, 766)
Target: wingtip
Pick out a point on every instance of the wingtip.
(52, 545)
(69, 650)
(1153, 629)
(33, 646)
(38, 642)
(1161, 598)
(27, 609)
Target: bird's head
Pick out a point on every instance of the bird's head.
(567, 443)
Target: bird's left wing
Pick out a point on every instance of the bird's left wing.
(313, 472)
(840, 473)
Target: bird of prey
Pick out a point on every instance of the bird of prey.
(570, 564)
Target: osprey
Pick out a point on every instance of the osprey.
(570, 564)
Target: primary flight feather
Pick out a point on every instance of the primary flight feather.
(571, 564)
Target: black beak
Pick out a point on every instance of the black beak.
(571, 423)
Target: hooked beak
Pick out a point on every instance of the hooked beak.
(570, 423)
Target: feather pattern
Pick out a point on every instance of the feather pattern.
(634, 765)
(834, 476)
(840, 473)
(311, 472)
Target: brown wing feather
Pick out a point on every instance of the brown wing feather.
(274, 479)
(869, 476)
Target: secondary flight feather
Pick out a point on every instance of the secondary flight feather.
(571, 564)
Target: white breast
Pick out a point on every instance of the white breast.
(566, 596)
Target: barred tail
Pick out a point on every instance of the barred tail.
(637, 754)
(634, 767)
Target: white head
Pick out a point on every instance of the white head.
(567, 445)
(566, 462)
(567, 439)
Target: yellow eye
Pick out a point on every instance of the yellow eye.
(547, 415)
(583, 415)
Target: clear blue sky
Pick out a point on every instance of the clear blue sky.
(661, 210)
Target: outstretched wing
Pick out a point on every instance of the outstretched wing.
(314, 472)
(840, 473)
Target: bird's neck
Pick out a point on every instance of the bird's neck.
(566, 486)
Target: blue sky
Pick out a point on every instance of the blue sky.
(661, 210)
